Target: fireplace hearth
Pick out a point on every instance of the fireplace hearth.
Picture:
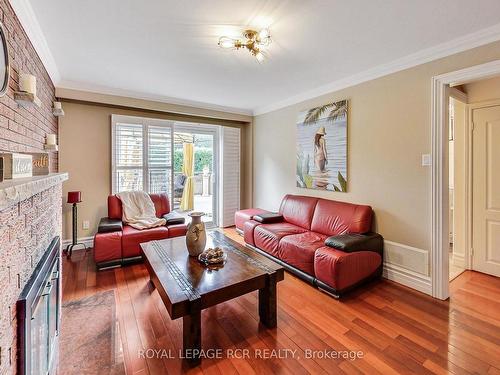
(38, 315)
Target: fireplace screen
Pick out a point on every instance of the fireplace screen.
(39, 315)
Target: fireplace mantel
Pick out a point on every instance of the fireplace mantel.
(15, 190)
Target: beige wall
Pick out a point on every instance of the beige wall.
(480, 91)
(389, 130)
(85, 152)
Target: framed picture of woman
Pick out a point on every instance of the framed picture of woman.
(322, 147)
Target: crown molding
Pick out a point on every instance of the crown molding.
(184, 105)
(29, 22)
(463, 43)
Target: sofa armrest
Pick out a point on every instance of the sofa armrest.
(107, 225)
(173, 218)
(350, 243)
(268, 218)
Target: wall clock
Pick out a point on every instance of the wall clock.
(4, 62)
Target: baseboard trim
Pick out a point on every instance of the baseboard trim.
(458, 260)
(407, 278)
(87, 241)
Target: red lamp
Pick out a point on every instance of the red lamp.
(74, 197)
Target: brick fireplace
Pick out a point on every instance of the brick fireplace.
(30, 210)
(30, 218)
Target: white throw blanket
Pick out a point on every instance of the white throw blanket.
(139, 210)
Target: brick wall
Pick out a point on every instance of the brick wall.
(26, 230)
(24, 129)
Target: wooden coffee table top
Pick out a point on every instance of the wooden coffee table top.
(183, 281)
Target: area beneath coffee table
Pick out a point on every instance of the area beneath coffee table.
(186, 286)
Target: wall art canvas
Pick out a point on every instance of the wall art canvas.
(322, 147)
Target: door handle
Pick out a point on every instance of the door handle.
(48, 289)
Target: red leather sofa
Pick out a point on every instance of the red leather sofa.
(324, 242)
(116, 243)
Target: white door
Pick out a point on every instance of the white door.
(486, 190)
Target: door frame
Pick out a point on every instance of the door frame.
(439, 173)
(467, 180)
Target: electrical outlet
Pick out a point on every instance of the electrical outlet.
(86, 224)
(426, 160)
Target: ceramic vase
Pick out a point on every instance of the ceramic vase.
(196, 236)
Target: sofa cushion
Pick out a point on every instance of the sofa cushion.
(267, 236)
(241, 216)
(352, 242)
(177, 230)
(341, 270)
(268, 218)
(109, 225)
(248, 231)
(298, 210)
(298, 250)
(173, 218)
(333, 218)
(132, 238)
(114, 207)
(107, 246)
(161, 202)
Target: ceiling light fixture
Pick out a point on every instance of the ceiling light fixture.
(253, 41)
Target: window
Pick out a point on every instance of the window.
(148, 153)
(142, 154)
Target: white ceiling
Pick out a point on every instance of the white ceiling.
(165, 49)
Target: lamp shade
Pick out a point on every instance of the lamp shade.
(74, 196)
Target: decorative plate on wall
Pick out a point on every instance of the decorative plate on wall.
(4, 62)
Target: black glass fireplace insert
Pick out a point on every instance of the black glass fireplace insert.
(38, 315)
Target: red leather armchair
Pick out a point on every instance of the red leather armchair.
(324, 242)
(116, 243)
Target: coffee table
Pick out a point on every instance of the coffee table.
(186, 286)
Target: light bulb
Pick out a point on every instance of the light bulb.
(260, 56)
(264, 34)
(226, 42)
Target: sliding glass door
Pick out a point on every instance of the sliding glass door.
(195, 189)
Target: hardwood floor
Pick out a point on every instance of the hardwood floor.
(398, 330)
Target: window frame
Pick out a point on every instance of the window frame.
(145, 123)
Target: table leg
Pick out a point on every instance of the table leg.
(268, 303)
(192, 337)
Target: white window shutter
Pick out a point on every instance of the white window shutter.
(141, 154)
(230, 175)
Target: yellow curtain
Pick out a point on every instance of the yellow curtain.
(187, 201)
